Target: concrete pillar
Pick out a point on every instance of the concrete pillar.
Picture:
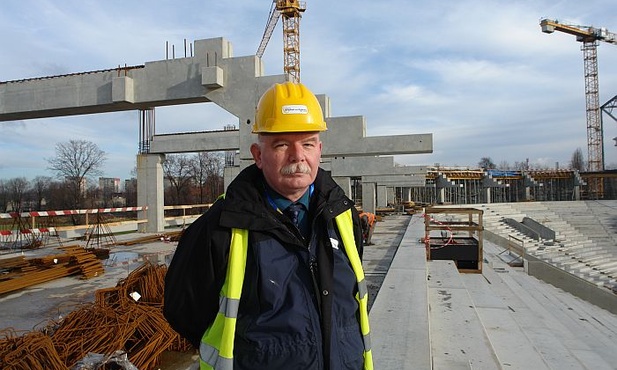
(150, 191)
(407, 194)
(391, 195)
(382, 196)
(577, 192)
(345, 183)
(229, 174)
(441, 195)
(527, 193)
(488, 194)
(368, 197)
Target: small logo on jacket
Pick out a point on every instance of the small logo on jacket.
(334, 243)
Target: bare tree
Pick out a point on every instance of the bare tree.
(75, 162)
(521, 166)
(4, 197)
(577, 162)
(214, 183)
(40, 189)
(17, 188)
(207, 171)
(504, 165)
(486, 163)
(177, 169)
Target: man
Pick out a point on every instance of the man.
(270, 277)
(367, 221)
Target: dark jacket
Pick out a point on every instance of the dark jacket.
(297, 309)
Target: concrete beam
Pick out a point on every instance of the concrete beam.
(412, 180)
(346, 136)
(214, 141)
(489, 181)
(361, 166)
(158, 83)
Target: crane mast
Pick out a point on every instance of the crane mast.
(589, 36)
(291, 12)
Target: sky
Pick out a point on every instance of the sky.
(477, 74)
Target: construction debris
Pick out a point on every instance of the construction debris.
(18, 272)
(126, 318)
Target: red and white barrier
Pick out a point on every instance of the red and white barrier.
(71, 212)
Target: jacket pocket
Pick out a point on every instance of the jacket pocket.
(351, 346)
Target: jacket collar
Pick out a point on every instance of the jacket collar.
(247, 207)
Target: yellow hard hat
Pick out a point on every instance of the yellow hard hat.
(288, 107)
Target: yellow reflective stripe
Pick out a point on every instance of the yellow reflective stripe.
(344, 222)
(368, 360)
(217, 343)
(237, 264)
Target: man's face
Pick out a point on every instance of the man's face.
(289, 161)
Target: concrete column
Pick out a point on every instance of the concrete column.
(382, 196)
(150, 191)
(488, 195)
(527, 193)
(345, 183)
(229, 174)
(441, 195)
(577, 192)
(368, 197)
(407, 194)
(391, 195)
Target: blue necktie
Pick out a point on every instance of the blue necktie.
(292, 212)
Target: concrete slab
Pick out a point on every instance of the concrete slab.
(457, 335)
(399, 317)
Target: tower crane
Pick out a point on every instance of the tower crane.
(589, 36)
(291, 12)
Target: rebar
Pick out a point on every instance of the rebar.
(114, 321)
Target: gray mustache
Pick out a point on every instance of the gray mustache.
(290, 169)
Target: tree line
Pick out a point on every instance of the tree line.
(577, 162)
(77, 164)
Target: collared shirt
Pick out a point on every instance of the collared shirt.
(281, 203)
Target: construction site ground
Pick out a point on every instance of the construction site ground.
(32, 308)
(424, 314)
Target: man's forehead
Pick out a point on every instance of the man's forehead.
(291, 136)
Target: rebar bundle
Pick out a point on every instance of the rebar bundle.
(32, 351)
(19, 272)
(128, 317)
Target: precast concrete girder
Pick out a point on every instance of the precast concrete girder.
(213, 141)
(409, 180)
(361, 166)
(442, 181)
(528, 180)
(346, 137)
(489, 182)
(158, 83)
(578, 180)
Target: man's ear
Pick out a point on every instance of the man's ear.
(256, 153)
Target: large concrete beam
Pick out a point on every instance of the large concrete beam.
(401, 181)
(346, 136)
(158, 83)
(215, 141)
(195, 79)
(367, 166)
